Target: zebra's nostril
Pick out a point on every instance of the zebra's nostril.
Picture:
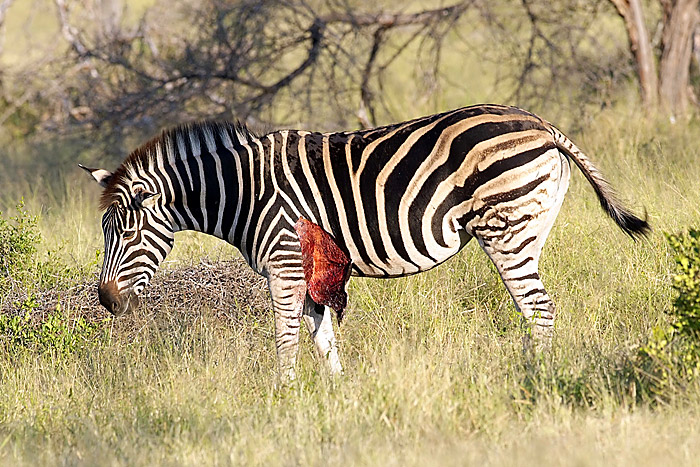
(109, 297)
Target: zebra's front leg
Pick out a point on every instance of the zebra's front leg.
(319, 323)
(288, 304)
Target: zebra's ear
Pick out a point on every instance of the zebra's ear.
(144, 199)
(101, 176)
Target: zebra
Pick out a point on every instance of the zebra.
(384, 202)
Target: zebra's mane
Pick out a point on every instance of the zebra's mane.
(147, 154)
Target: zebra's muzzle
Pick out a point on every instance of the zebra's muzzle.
(115, 302)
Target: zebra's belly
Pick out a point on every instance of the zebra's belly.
(399, 266)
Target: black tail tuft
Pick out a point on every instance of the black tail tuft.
(624, 218)
(628, 222)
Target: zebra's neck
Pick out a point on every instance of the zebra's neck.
(204, 173)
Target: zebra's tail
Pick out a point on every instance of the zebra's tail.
(628, 221)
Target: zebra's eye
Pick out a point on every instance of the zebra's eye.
(129, 234)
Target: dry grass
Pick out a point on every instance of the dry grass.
(217, 287)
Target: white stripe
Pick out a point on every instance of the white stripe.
(196, 154)
(211, 146)
(301, 199)
(479, 158)
(244, 237)
(160, 161)
(394, 264)
(438, 155)
(184, 157)
(261, 159)
(283, 232)
(255, 253)
(303, 158)
(337, 198)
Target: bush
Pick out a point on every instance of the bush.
(687, 283)
(24, 323)
(56, 332)
(19, 237)
(672, 355)
(22, 269)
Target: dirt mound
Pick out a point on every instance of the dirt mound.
(226, 288)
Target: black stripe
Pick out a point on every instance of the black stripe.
(397, 182)
(293, 160)
(314, 154)
(229, 175)
(534, 275)
(138, 254)
(520, 247)
(520, 264)
(376, 161)
(337, 146)
(246, 161)
(504, 197)
(192, 194)
(475, 180)
(532, 292)
(178, 195)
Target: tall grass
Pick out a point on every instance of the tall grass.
(434, 369)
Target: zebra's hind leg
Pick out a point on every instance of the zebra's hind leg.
(288, 297)
(319, 323)
(522, 280)
(512, 232)
(515, 251)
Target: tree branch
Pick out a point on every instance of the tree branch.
(393, 20)
(633, 16)
(70, 33)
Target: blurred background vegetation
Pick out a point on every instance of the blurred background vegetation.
(89, 80)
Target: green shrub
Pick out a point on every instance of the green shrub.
(672, 355)
(24, 322)
(687, 283)
(19, 237)
(56, 332)
(22, 268)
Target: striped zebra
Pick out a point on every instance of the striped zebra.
(307, 209)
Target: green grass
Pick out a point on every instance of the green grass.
(434, 369)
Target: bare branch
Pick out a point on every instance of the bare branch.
(235, 60)
(389, 20)
(70, 33)
(365, 92)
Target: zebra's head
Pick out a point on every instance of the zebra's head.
(138, 235)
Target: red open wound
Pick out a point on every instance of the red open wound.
(326, 266)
